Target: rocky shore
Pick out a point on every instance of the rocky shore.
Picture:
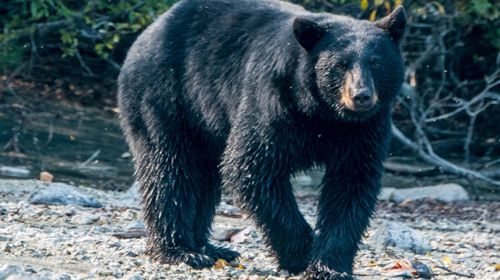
(58, 231)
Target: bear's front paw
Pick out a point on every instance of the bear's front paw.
(294, 256)
(194, 259)
(322, 272)
(217, 252)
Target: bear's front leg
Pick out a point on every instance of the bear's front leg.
(348, 198)
(257, 168)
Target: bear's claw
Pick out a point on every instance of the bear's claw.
(193, 259)
(217, 252)
(322, 272)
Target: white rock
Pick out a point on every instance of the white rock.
(445, 192)
(126, 155)
(14, 171)
(401, 236)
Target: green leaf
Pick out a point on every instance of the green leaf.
(481, 6)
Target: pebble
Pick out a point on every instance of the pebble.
(72, 242)
(71, 211)
(84, 219)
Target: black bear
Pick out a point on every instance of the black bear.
(242, 95)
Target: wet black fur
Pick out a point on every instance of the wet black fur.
(221, 93)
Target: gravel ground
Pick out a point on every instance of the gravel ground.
(74, 242)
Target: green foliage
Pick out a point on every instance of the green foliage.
(93, 27)
(469, 13)
(30, 29)
(486, 13)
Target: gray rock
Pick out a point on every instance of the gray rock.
(129, 199)
(131, 254)
(63, 194)
(401, 236)
(137, 224)
(445, 192)
(386, 193)
(225, 234)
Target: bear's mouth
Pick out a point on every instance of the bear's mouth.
(349, 115)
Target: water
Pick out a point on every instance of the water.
(85, 146)
(76, 145)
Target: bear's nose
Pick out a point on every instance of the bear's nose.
(363, 99)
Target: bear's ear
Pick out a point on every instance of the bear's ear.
(307, 32)
(394, 23)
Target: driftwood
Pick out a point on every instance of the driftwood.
(430, 157)
(408, 169)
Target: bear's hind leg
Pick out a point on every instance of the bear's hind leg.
(171, 173)
(207, 203)
(170, 198)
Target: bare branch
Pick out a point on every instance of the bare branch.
(492, 81)
(432, 158)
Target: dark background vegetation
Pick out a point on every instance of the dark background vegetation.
(447, 119)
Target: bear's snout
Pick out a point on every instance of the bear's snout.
(363, 99)
(358, 92)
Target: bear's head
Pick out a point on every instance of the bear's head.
(351, 68)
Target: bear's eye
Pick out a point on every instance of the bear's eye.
(375, 63)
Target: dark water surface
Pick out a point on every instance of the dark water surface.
(78, 145)
(86, 146)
